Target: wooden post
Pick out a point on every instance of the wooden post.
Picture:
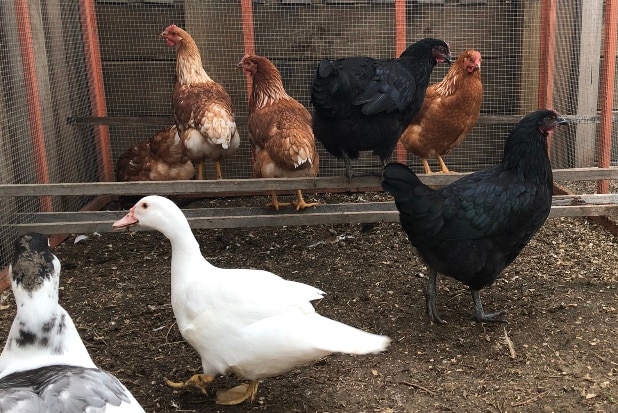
(591, 22)
(35, 114)
(96, 85)
(248, 34)
(546, 57)
(608, 78)
(400, 46)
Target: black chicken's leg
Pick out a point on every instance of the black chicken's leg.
(348, 167)
(480, 314)
(350, 173)
(430, 298)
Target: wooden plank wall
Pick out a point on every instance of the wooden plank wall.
(60, 78)
(8, 205)
(296, 37)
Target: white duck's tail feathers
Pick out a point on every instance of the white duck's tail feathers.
(337, 337)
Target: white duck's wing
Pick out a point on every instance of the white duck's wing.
(261, 325)
(245, 296)
(268, 293)
(82, 389)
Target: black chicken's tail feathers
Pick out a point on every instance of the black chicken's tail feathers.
(420, 207)
(399, 181)
(322, 88)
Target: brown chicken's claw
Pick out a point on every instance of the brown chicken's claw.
(301, 204)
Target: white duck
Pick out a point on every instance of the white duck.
(45, 366)
(249, 322)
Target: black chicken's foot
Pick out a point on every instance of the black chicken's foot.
(430, 298)
(480, 315)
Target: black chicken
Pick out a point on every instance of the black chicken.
(473, 228)
(364, 104)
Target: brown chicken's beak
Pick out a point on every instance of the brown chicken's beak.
(239, 65)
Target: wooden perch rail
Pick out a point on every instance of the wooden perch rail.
(100, 221)
(243, 187)
(169, 120)
(249, 217)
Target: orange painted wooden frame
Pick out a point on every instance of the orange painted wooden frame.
(96, 85)
(33, 101)
(400, 45)
(608, 77)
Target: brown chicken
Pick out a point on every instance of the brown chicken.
(279, 129)
(449, 112)
(159, 159)
(202, 107)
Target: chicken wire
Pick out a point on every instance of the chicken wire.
(137, 69)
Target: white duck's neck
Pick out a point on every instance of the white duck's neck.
(181, 237)
(187, 260)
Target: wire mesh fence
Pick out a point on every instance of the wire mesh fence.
(82, 81)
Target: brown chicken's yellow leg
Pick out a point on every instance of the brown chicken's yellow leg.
(275, 202)
(426, 166)
(218, 170)
(200, 171)
(301, 204)
(198, 381)
(238, 394)
(443, 167)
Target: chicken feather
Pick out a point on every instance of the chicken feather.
(475, 227)
(364, 104)
(279, 128)
(449, 112)
(161, 158)
(202, 108)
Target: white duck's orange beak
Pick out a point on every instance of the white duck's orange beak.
(126, 222)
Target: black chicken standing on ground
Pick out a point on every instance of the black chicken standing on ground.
(473, 228)
(364, 104)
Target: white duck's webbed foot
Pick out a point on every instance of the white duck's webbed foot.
(198, 381)
(238, 394)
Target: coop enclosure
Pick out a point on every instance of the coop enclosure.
(84, 80)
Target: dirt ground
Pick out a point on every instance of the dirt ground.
(557, 353)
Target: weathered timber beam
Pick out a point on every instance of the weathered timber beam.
(251, 217)
(252, 186)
